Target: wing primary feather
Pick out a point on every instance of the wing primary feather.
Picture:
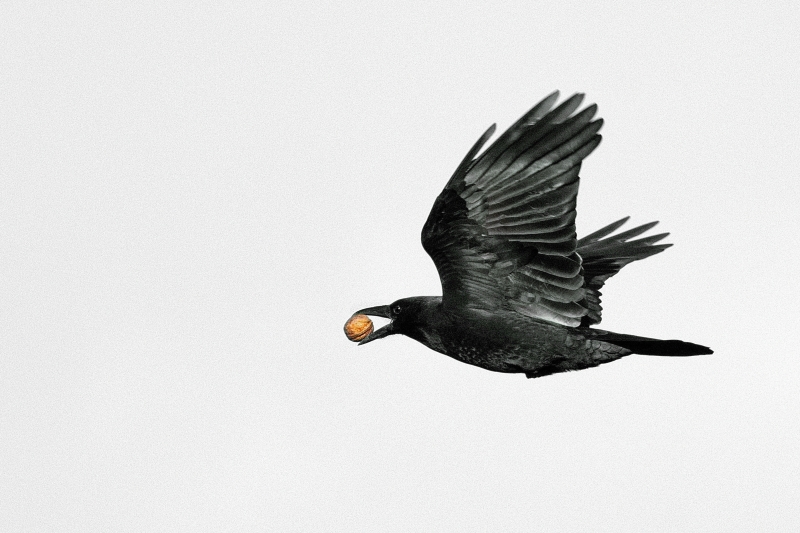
(621, 248)
(646, 241)
(534, 228)
(563, 202)
(570, 146)
(516, 130)
(513, 133)
(602, 232)
(554, 236)
(516, 194)
(573, 161)
(568, 155)
(522, 214)
(633, 232)
(570, 135)
(467, 161)
(520, 139)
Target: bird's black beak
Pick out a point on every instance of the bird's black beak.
(381, 311)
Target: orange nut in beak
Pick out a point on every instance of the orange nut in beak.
(358, 327)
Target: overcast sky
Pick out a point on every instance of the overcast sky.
(196, 196)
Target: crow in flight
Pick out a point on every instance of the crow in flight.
(520, 293)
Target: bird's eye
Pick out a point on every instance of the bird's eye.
(396, 310)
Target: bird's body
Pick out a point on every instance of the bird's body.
(507, 341)
(520, 291)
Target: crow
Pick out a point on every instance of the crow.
(520, 291)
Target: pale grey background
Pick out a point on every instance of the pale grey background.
(196, 196)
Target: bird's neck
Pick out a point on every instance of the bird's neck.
(430, 321)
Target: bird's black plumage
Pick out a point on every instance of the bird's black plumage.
(519, 290)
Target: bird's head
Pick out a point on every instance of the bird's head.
(406, 316)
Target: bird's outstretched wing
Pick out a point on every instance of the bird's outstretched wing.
(604, 255)
(502, 232)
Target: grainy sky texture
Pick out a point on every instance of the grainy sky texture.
(196, 195)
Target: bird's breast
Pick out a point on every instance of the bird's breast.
(495, 340)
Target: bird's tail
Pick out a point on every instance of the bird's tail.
(647, 346)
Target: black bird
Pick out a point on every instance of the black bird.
(519, 291)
